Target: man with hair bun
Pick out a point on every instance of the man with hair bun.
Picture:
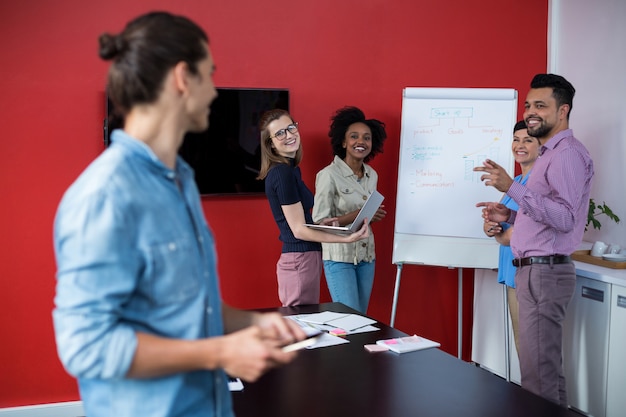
(138, 316)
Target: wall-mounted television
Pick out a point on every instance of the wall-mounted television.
(226, 158)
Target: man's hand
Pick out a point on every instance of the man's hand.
(491, 228)
(495, 176)
(494, 212)
(251, 352)
(277, 327)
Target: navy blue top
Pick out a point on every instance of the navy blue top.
(283, 187)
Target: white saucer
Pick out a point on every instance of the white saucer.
(615, 257)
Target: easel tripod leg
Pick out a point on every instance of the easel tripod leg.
(395, 295)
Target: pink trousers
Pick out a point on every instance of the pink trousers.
(298, 276)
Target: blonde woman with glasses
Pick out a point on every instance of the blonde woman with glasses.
(299, 267)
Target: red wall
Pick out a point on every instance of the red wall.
(329, 53)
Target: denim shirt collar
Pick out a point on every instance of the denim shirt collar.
(142, 151)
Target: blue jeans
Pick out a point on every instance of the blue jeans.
(350, 284)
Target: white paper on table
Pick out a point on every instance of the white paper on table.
(323, 340)
(351, 322)
(364, 329)
(345, 321)
(321, 318)
(328, 340)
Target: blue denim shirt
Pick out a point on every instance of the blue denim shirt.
(134, 253)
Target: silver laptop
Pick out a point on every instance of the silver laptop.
(367, 212)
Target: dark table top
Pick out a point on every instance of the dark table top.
(348, 381)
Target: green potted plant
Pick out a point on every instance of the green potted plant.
(597, 209)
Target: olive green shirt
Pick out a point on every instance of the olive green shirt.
(339, 191)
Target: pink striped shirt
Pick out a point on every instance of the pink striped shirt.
(553, 205)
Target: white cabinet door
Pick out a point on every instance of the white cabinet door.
(585, 346)
(490, 327)
(616, 395)
(488, 331)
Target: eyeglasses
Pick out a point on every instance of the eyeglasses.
(282, 133)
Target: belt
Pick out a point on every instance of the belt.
(552, 259)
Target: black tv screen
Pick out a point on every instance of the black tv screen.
(226, 158)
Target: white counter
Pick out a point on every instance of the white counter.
(600, 273)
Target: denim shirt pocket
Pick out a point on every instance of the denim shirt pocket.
(174, 271)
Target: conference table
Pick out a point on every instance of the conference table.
(348, 381)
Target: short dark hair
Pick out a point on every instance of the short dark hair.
(562, 90)
(143, 53)
(519, 126)
(341, 121)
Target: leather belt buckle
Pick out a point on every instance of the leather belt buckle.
(552, 259)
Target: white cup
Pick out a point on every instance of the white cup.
(598, 249)
(614, 248)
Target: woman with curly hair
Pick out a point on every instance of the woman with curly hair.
(340, 190)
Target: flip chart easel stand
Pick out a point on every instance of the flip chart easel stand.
(460, 306)
(445, 134)
(507, 356)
